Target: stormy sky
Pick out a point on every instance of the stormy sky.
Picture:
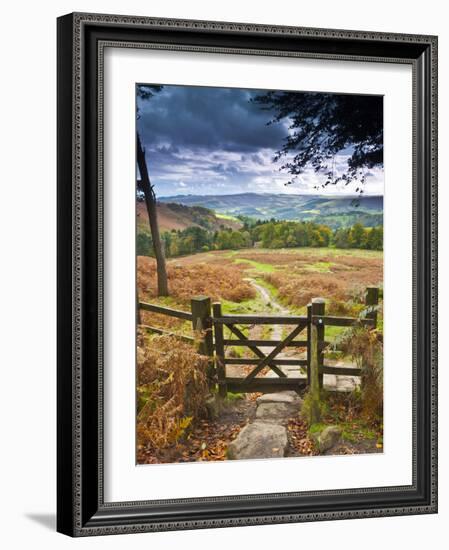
(209, 141)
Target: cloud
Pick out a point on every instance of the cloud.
(202, 140)
(194, 116)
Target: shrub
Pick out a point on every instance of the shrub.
(366, 349)
(219, 282)
(171, 391)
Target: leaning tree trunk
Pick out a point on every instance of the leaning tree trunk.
(150, 201)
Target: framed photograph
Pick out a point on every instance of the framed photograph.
(247, 279)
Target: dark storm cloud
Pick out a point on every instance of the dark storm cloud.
(213, 140)
(214, 118)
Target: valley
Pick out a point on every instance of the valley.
(334, 211)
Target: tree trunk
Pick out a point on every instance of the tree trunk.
(150, 201)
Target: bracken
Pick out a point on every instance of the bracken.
(171, 389)
(219, 282)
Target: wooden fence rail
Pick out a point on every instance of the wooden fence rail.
(201, 320)
(267, 385)
(264, 343)
(259, 320)
(255, 361)
(162, 332)
(208, 323)
(342, 321)
(166, 311)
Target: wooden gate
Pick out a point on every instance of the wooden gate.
(251, 382)
(315, 316)
(208, 327)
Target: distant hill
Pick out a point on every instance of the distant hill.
(335, 211)
(179, 216)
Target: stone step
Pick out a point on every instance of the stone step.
(277, 408)
(259, 440)
(288, 396)
(266, 437)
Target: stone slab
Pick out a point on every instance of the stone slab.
(279, 397)
(259, 440)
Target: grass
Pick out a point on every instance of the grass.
(257, 266)
(293, 277)
(332, 333)
(266, 331)
(310, 251)
(354, 433)
(246, 307)
(344, 411)
(271, 288)
(231, 397)
(226, 217)
(351, 431)
(320, 267)
(316, 428)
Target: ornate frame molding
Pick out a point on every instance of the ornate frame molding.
(82, 511)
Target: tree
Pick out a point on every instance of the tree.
(341, 238)
(175, 245)
(144, 185)
(358, 235)
(322, 125)
(375, 238)
(144, 244)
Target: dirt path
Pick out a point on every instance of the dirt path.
(331, 381)
(270, 301)
(277, 332)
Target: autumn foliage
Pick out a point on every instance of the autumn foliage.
(342, 283)
(219, 282)
(171, 390)
(366, 349)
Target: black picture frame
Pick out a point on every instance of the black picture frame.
(81, 509)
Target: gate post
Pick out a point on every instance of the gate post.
(219, 352)
(318, 309)
(371, 301)
(202, 330)
(138, 314)
(309, 342)
(315, 409)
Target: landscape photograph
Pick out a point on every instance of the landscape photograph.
(259, 274)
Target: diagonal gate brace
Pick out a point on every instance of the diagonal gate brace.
(266, 360)
(256, 350)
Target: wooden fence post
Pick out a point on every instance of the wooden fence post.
(202, 329)
(138, 314)
(309, 340)
(219, 352)
(318, 310)
(315, 410)
(371, 301)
